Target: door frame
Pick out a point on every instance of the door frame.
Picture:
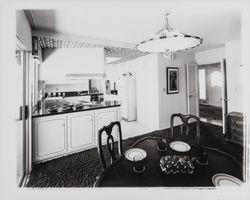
(224, 92)
(25, 107)
(224, 97)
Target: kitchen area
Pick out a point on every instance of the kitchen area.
(69, 92)
(68, 100)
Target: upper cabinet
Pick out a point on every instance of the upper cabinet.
(61, 64)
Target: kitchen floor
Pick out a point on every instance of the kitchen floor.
(81, 169)
(133, 128)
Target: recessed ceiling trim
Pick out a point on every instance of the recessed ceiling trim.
(85, 39)
(30, 18)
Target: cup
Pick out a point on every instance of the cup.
(162, 144)
(138, 164)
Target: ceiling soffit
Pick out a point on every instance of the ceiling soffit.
(123, 51)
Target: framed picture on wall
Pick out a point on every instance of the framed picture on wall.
(172, 80)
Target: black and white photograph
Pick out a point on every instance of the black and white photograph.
(172, 80)
(133, 99)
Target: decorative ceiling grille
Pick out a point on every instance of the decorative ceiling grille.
(125, 54)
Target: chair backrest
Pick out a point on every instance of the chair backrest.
(185, 119)
(110, 142)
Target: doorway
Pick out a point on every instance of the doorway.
(210, 93)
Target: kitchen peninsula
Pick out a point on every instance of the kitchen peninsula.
(71, 128)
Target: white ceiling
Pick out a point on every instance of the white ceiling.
(131, 22)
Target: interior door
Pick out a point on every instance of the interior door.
(192, 78)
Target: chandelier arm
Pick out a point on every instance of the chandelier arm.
(159, 31)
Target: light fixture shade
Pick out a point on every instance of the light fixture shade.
(169, 40)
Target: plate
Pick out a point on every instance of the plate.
(225, 180)
(135, 154)
(179, 146)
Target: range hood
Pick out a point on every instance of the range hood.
(85, 76)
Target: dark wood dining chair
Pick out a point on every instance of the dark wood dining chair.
(185, 125)
(110, 142)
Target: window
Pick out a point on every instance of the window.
(202, 84)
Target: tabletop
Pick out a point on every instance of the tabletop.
(121, 174)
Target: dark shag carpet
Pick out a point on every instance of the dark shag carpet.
(210, 112)
(81, 169)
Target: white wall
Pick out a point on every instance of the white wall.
(23, 29)
(145, 69)
(234, 76)
(172, 103)
(59, 62)
(210, 56)
(154, 106)
(245, 80)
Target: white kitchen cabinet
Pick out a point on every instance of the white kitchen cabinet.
(62, 134)
(49, 138)
(81, 131)
(104, 117)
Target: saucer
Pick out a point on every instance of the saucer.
(137, 153)
(143, 169)
(200, 163)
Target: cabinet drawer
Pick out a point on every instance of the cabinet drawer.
(236, 121)
(236, 129)
(237, 139)
(236, 134)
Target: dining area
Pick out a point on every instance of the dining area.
(179, 160)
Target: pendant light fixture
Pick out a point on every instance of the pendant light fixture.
(168, 41)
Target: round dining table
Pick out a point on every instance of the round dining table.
(121, 174)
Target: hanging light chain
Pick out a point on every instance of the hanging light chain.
(167, 26)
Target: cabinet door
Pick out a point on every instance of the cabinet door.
(81, 131)
(49, 137)
(103, 118)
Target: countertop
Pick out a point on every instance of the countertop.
(100, 105)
